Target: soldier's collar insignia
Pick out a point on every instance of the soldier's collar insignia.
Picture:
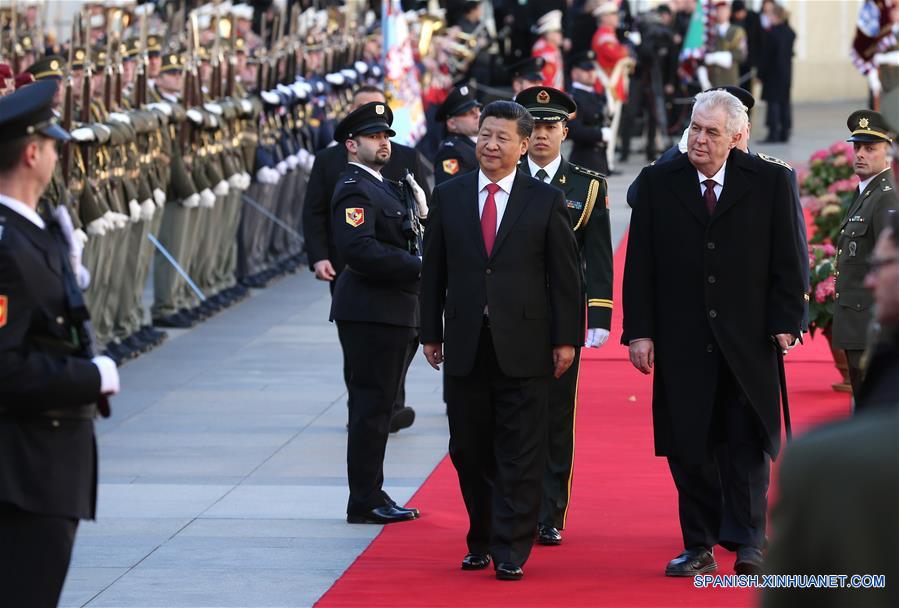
(563, 179)
(54, 65)
(863, 123)
(542, 97)
(379, 109)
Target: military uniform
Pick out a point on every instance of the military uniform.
(49, 383)
(585, 130)
(586, 197)
(456, 154)
(375, 306)
(866, 217)
(732, 40)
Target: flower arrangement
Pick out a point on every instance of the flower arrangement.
(823, 286)
(828, 187)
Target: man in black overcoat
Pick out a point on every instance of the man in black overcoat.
(501, 266)
(712, 289)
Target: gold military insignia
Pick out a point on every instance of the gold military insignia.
(379, 109)
(863, 123)
(355, 216)
(173, 59)
(563, 179)
(79, 54)
(54, 65)
(887, 188)
(542, 97)
(451, 166)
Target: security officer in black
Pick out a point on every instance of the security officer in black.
(526, 73)
(50, 383)
(866, 217)
(586, 196)
(588, 145)
(456, 154)
(375, 302)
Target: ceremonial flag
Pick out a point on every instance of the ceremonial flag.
(873, 33)
(697, 32)
(402, 84)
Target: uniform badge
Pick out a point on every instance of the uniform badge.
(574, 204)
(863, 123)
(355, 216)
(3, 308)
(563, 179)
(379, 109)
(542, 97)
(451, 166)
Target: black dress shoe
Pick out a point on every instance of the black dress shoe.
(749, 560)
(175, 321)
(692, 562)
(387, 514)
(548, 535)
(508, 572)
(475, 561)
(415, 512)
(402, 419)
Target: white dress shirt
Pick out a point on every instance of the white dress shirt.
(374, 173)
(582, 87)
(551, 169)
(500, 198)
(718, 178)
(864, 184)
(22, 209)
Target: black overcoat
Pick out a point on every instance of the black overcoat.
(708, 289)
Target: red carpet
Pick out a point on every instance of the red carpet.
(622, 525)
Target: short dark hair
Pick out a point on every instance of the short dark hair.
(509, 110)
(369, 88)
(11, 152)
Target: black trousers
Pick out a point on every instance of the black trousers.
(725, 499)
(856, 373)
(780, 120)
(497, 439)
(376, 355)
(559, 469)
(34, 557)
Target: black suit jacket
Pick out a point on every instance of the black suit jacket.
(47, 465)
(380, 280)
(530, 283)
(703, 286)
(327, 168)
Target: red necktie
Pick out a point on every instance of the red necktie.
(488, 218)
(710, 199)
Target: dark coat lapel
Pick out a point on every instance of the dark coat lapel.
(467, 191)
(685, 184)
(518, 200)
(737, 182)
(42, 239)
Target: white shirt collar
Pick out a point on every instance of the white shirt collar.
(374, 173)
(864, 184)
(24, 210)
(505, 183)
(582, 87)
(718, 177)
(551, 169)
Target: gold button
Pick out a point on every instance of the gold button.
(837, 295)
(60, 320)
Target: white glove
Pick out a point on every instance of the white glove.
(147, 209)
(82, 276)
(195, 116)
(222, 188)
(134, 210)
(891, 58)
(596, 337)
(634, 37)
(606, 134)
(702, 74)
(97, 227)
(80, 237)
(282, 167)
(421, 203)
(117, 220)
(191, 202)
(159, 197)
(207, 199)
(725, 59)
(874, 82)
(109, 375)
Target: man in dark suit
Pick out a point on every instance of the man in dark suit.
(586, 198)
(49, 383)
(501, 265)
(836, 513)
(712, 286)
(321, 250)
(375, 304)
(460, 111)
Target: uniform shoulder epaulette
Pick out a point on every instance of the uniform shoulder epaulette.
(887, 187)
(449, 143)
(586, 171)
(776, 161)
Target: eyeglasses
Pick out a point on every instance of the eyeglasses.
(875, 264)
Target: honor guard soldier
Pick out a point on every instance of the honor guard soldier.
(49, 379)
(866, 217)
(586, 197)
(375, 302)
(526, 73)
(456, 154)
(587, 130)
